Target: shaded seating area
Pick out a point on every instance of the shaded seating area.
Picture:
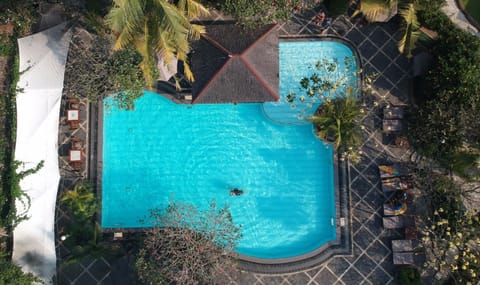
(392, 125)
(75, 154)
(73, 113)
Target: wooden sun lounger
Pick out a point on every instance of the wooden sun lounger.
(405, 245)
(398, 222)
(400, 258)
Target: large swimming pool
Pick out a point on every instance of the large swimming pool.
(197, 153)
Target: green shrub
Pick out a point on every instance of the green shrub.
(408, 276)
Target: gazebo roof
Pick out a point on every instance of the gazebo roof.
(231, 64)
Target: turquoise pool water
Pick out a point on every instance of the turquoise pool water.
(198, 153)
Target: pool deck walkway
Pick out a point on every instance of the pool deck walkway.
(371, 260)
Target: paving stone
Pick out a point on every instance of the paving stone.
(326, 277)
(99, 269)
(314, 271)
(380, 61)
(374, 224)
(379, 36)
(379, 277)
(390, 49)
(338, 265)
(394, 73)
(300, 278)
(272, 280)
(83, 279)
(361, 186)
(367, 49)
(374, 199)
(363, 238)
(352, 277)
(365, 264)
(355, 36)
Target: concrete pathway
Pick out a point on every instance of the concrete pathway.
(456, 15)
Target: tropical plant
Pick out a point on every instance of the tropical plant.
(156, 28)
(10, 214)
(188, 245)
(81, 202)
(375, 10)
(410, 29)
(10, 273)
(409, 276)
(451, 234)
(94, 72)
(380, 10)
(336, 120)
(251, 13)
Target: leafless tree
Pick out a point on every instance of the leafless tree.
(188, 245)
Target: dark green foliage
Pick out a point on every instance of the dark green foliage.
(9, 214)
(253, 12)
(448, 115)
(188, 245)
(21, 12)
(408, 276)
(12, 274)
(337, 7)
(81, 202)
(94, 72)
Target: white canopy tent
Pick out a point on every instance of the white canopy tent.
(42, 61)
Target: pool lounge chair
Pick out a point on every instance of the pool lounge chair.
(402, 258)
(392, 209)
(393, 184)
(391, 171)
(406, 245)
(398, 222)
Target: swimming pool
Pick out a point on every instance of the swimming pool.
(197, 153)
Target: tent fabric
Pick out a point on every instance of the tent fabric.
(42, 66)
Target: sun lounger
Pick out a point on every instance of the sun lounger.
(400, 258)
(393, 112)
(391, 171)
(405, 245)
(392, 209)
(393, 184)
(398, 222)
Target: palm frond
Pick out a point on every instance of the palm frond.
(192, 9)
(410, 29)
(373, 9)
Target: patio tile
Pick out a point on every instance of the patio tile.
(365, 264)
(363, 238)
(380, 61)
(355, 36)
(367, 29)
(394, 73)
(325, 277)
(85, 278)
(379, 277)
(100, 269)
(403, 62)
(361, 186)
(378, 252)
(374, 224)
(314, 271)
(382, 83)
(390, 48)
(271, 280)
(352, 277)
(338, 265)
(379, 36)
(300, 278)
(367, 49)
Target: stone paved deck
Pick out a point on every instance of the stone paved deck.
(371, 262)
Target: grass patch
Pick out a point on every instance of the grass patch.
(473, 8)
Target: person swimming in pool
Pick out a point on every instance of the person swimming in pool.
(236, 192)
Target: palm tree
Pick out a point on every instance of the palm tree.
(376, 10)
(156, 27)
(410, 29)
(381, 10)
(336, 120)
